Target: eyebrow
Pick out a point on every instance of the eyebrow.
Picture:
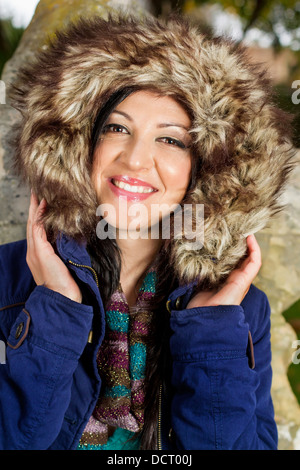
(171, 124)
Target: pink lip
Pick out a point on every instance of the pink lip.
(136, 197)
(131, 181)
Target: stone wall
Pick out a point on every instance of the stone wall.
(279, 276)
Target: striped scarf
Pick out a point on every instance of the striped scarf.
(121, 363)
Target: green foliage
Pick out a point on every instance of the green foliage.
(9, 40)
(280, 19)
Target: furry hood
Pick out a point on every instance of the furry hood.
(239, 135)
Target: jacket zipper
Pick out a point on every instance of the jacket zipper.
(159, 419)
(90, 338)
(160, 388)
(88, 267)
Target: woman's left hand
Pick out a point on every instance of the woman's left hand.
(236, 285)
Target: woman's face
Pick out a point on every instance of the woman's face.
(142, 162)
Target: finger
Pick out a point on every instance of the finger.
(31, 214)
(34, 203)
(29, 233)
(39, 232)
(253, 251)
(39, 212)
(252, 242)
(35, 229)
(240, 279)
(252, 263)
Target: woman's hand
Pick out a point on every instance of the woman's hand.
(46, 267)
(237, 284)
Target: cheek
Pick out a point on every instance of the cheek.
(176, 175)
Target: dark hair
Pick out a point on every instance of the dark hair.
(106, 260)
(115, 99)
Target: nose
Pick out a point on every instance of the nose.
(138, 155)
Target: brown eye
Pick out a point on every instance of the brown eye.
(115, 128)
(173, 142)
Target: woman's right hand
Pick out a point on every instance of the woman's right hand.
(46, 267)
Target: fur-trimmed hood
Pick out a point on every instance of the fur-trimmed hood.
(240, 137)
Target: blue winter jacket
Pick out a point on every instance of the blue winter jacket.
(49, 382)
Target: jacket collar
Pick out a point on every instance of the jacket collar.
(71, 250)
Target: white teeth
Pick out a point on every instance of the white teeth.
(132, 189)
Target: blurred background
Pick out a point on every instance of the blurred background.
(270, 28)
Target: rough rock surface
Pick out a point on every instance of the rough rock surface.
(279, 277)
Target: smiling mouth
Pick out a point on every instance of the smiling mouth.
(132, 188)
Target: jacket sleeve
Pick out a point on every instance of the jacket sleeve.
(220, 401)
(43, 349)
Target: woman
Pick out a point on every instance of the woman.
(148, 342)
